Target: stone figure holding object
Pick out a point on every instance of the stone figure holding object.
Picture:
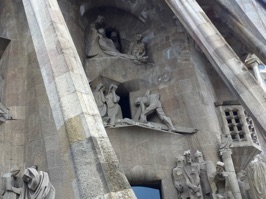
(191, 173)
(10, 184)
(148, 104)
(179, 178)
(204, 182)
(36, 185)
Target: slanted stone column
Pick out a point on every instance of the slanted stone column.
(223, 58)
(74, 110)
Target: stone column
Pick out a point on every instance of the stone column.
(222, 57)
(230, 169)
(96, 167)
(252, 62)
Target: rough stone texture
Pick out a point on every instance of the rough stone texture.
(49, 126)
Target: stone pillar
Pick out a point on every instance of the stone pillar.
(75, 113)
(230, 169)
(222, 57)
(252, 61)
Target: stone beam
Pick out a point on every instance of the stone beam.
(227, 64)
(96, 167)
(234, 17)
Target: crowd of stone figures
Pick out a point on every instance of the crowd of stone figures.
(195, 178)
(102, 39)
(36, 184)
(111, 113)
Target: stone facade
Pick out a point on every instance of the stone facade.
(189, 75)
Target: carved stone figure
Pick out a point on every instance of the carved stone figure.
(148, 104)
(204, 182)
(36, 185)
(243, 185)
(179, 178)
(10, 184)
(138, 49)
(113, 108)
(191, 173)
(257, 177)
(221, 179)
(100, 99)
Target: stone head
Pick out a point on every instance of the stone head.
(198, 157)
(187, 155)
(101, 31)
(138, 37)
(180, 160)
(112, 87)
(219, 167)
(100, 20)
(32, 178)
(14, 170)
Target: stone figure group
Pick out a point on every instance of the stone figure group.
(106, 40)
(107, 104)
(186, 177)
(36, 184)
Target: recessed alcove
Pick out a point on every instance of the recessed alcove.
(3, 44)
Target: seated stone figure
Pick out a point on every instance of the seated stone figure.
(138, 49)
(36, 185)
(148, 104)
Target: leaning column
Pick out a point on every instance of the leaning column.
(74, 110)
(227, 64)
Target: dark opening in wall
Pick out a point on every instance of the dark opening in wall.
(124, 101)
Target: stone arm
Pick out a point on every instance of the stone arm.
(116, 98)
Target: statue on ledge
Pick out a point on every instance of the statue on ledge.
(148, 104)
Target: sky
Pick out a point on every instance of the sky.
(146, 193)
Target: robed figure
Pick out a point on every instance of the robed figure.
(36, 185)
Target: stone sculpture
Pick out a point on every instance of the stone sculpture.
(204, 182)
(113, 108)
(100, 99)
(148, 104)
(243, 185)
(257, 177)
(179, 178)
(138, 49)
(226, 143)
(191, 173)
(36, 185)
(221, 179)
(10, 184)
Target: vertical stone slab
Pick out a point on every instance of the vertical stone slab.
(96, 167)
(223, 58)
